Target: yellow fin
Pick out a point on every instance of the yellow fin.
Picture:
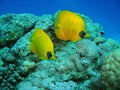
(32, 48)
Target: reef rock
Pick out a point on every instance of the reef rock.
(13, 26)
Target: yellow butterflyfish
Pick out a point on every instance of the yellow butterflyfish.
(41, 44)
(69, 26)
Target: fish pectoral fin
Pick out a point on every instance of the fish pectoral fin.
(32, 48)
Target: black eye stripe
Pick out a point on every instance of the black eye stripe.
(49, 54)
(82, 34)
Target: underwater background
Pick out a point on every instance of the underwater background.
(107, 13)
(59, 45)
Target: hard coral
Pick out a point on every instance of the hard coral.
(13, 26)
(88, 49)
(9, 77)
(109, 45)
(44, 22)
(111, 70)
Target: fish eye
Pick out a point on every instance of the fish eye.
(82, 34)
(49, 54)
(101, 33)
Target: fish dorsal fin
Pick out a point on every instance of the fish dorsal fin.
(32, 48)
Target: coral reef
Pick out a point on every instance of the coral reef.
(78, 69)
(13, 26)
(111, 70)
(12, 69)
(9, 77)
(45, 21)
(88, 49)
(82, 65)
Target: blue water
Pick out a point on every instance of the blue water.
(105, 12)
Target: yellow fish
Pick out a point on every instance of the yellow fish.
(69, 26)
(41, 44)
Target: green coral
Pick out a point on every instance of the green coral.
(111, 71)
